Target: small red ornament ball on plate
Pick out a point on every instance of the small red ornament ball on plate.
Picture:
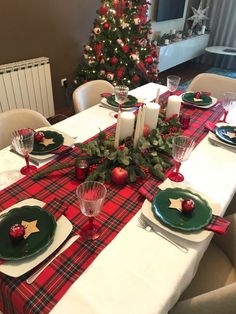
(17, 232)
(187, 205)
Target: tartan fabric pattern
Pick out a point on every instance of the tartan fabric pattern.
(122, 203)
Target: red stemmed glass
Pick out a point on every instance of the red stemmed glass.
(91, 196)
(23, 143)
(182, 147)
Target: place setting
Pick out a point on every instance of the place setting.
(200, 100)
(31, 231)
(176, 207)
(40, 145)
(120, 100)
(223, 135)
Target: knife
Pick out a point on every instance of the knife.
(40, 270)
(31, 159)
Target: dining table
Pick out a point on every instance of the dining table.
(127, 269)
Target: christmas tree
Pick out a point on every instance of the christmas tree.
(119, 49)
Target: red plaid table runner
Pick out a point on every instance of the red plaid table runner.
(122, 203)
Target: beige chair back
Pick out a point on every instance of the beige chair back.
(216, 84)
(89, 94)
(16, 119)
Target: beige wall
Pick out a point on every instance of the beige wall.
(52, 28)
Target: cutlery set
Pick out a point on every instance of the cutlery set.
(146, 226)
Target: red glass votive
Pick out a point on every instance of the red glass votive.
(81, 169)
(185, 120)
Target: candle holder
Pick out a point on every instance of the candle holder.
(81, 169)
(185, 120)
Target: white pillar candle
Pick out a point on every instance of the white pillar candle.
(167, 41)
(158, 95)
(173, 106)
(151, 115)
(142, 121)
(126, 124)
(137, 126)
(203, 29)
(117, 134)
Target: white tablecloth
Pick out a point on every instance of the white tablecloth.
(138, 272)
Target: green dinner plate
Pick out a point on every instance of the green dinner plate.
(36, 242)
(40, 149)
(196, 220)
(128, 104)
(189, 98)
(221, 133)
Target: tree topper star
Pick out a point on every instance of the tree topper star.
(199, 15)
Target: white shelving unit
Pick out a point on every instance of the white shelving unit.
(182, 51)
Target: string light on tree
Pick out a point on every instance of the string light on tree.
(120, 48)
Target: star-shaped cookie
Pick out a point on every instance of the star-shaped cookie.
(47, 141)
(30, 227)
(231, 134)
(176, 203)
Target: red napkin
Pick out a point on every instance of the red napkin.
(217, 224)
(56, 207)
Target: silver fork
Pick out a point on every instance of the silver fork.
(143, 224)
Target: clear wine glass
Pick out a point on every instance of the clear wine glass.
(23, 143)
(228, 99)
(182, 147)
(91, 196)
(121, 94)
(173, 83)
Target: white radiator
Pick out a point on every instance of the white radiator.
(27, 84)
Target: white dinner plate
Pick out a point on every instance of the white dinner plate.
(68, 141)
(214, 101)
(19, 268)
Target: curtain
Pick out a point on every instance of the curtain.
(222, 23)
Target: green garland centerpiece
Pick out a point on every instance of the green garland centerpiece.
(152, 154)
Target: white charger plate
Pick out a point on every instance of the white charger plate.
(193, 236)
(19, 268)
(68, 141)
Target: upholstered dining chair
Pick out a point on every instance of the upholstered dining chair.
(16, 119)
(89, 94)
(213, 289)
(217, 85)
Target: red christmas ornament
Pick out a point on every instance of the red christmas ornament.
(135, 79)
(106, 25)
(114, 60)
(103, 10)
(125, 48)
(98, 49)
(149, 60)
(120, 72)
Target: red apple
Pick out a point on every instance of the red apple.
(146, 130)
(187, 205)
(119, 176)
(38, 136)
